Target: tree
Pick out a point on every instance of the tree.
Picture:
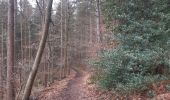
(2, 63)
(64, 21)
(3, 24)
(66, 4)
(10, 52)
(34, 70)
(98, 20)
(61, 40)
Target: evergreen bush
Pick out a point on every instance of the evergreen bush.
(142, 56)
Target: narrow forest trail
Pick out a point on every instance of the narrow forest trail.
(72, 88)
(77, 88)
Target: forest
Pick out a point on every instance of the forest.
(84, 49)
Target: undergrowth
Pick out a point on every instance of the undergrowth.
(142, 55)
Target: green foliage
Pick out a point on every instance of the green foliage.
(167, 87)
(151, 94)
(143, 34)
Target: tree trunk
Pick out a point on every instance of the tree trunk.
(34, 70)
(90, 29)
(98, 20)
(61, 40)
(21, 48)
(15, 29)
(10, 51)
(29, 45)
(2, 63)
(66, 39)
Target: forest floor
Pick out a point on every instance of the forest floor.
(76, 87)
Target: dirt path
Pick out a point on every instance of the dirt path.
(75, 87)
(72, 88)
(77, 90)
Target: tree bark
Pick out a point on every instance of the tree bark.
(66, 39)
(2, 63)
(10, 51)
(90, 24)
(98, 20)
(34, 70)
(15, 29)
(61, 40)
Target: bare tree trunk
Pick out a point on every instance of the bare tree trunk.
(90, 28)
(15, 15)
(22, 49)
(2, 63)
(61, 35)
(66, 38)
(15, 30)
(53, 62)
(45, 69)
(90, 36)
(52, 70)
(98, 20)
(1, 79)
(29, 44)
(34, 70)
(10, 51)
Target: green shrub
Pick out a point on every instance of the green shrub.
(151, 94)
(167, 87)
(143, 34)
